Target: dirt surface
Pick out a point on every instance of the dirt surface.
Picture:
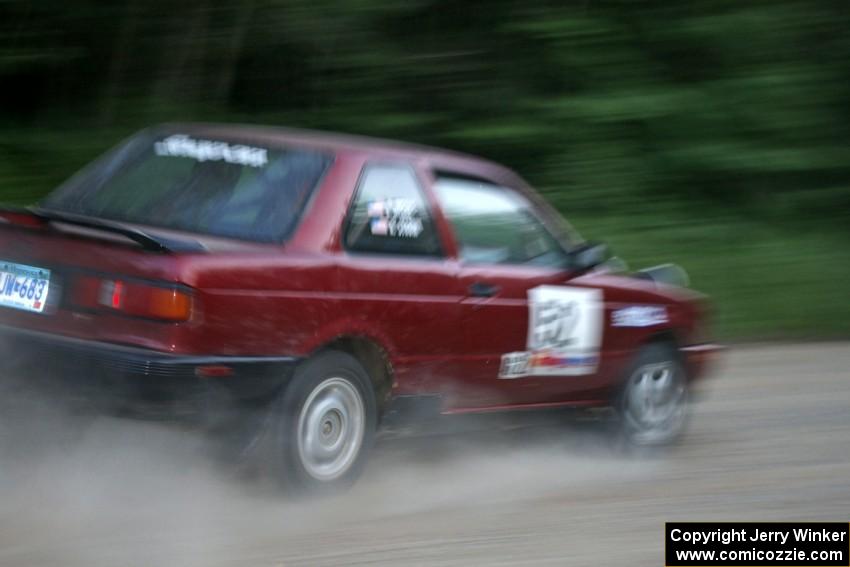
(770, 440)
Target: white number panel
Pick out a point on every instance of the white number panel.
(564, 334)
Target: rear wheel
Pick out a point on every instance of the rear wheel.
(653, 406)
(325, 423)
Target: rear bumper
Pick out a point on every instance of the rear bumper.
(700, 358)
(136, 379)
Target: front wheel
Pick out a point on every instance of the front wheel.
(325, 423)
(653, 406)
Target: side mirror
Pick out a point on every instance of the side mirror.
(588, 255)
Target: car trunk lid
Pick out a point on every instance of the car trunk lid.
(57, 253)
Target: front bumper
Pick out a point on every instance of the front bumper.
(138, 380)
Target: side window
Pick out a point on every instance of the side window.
(495, 225)
(390, 214)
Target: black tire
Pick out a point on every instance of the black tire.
(333, 381)
(652, 407)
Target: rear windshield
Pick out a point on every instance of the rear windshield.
(197, 184)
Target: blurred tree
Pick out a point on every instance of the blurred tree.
(740, 105)
(667, 112)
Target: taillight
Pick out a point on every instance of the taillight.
(170, 304)
(133, 298)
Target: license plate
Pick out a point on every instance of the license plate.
(23, 287)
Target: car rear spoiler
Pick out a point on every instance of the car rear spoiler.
(36, 217)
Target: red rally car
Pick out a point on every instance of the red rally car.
(323, 278)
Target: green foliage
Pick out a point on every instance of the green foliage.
(710, 132)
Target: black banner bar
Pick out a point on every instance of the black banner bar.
(757, 544)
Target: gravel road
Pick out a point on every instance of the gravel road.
(770, 440)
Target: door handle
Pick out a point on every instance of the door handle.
(483, 289)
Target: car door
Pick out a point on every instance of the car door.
(528, 336)
(397, 284)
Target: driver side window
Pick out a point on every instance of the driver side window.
(496, 225)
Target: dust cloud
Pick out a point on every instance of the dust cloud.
(769, 442)
(81, 489)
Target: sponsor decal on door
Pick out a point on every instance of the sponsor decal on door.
(564, 334)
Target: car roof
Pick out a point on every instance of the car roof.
(440, 159)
